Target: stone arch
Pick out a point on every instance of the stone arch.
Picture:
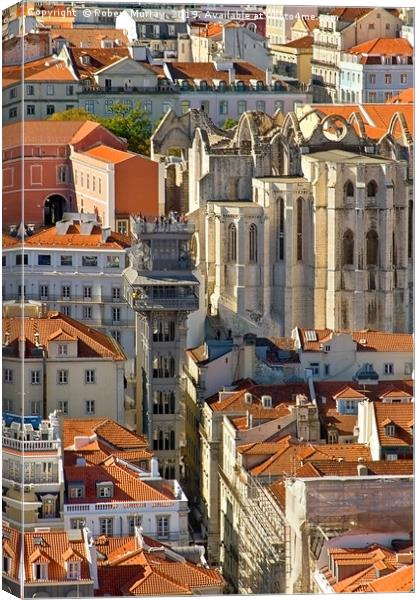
(348, 190)
(387, 147)
(347, 248)
(356, 120)
(291, 128)
(399, 120)
(372, 248)
(372, 189)
(280, 156)
(54, 208)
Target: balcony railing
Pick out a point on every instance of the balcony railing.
(30, 445)
(140, 227)
(67, 299)
(121, 507)
(179, 89)
(189, 303)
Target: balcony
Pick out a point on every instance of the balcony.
(67, 299)
(121, 507)
(140, 227)
(182, 303)
(30, 445)
(182, 89)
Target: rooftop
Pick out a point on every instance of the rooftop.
(401, 416)
(37, 332)
(47, 69)
(89, 37)
(383, 47)
(313, 340)
(46, 132)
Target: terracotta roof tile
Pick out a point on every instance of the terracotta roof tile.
(99, 58)
(207, 72)
(109, 155)
(127, 485)
(89, 37)
(401, 415)
(281, 395)
(45, 132)
(148, 571)
(55, 546)
(306, 41)
(48, 68)
(334, 468)
(404, 97)
(384, 47)
(366, 340)
(91, 343)
(73, 238)
(401, 580)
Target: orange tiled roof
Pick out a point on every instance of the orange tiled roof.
(306, 41)
(384, 46)
(127, 485)
(54, 550)
(73, 238)
(46, 132)
(148, 571)
(401, 580)
(190, 71)
(350, 393)
(350, 14)
(334, 468)
(90, 37)
(401, 415)
(366, 340)
(90, 342)
(48, 69)
(281, 395)
(278, 490)
(108, 154)
(404, 97)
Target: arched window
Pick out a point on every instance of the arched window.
(280, 229)
(253, 250)
(347, 248)
(349, 190)
(372, 244)
(299, 229)
(372, 189)
(232, 243)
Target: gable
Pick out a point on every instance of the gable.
(126, 67)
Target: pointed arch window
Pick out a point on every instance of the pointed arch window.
(372, 247)
(253, 243)
(299, 229)
(348, 190)
(232, 242)
(372, 189)
(280, 229)
(348, 248)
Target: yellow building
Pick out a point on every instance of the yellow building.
(294, 59)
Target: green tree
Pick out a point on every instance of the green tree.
(229, 123)
(133, 124)
(74, 114)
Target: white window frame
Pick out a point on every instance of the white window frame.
(90, 376)
(62, 350)
(62, 377)
(8, 376)
(90, 407)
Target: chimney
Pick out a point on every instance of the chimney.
(268, 77)
(36, 339)
(61, 227)
(83, 440)
(105, 234)
(362, 469)
(405, 558)
(137, 51)
(6, 338)
(154, 467)
(56, 419)
(138, 534)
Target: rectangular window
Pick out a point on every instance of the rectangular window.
(185, 106)
(63, 405)
(223, 107)
(112, 262)
(104, 491)
(388, 78)
(162, 524)
(314, 368)
(90, 106)
(241, 107)
(100, 185)
(392, 457)
(93, 183)
(66, 260)
(8, 375)
(106, 526)
(388, 368)
(90, 376)
(62, 377)
(326, 370)
(260, 105)
(116, 315)
(21, 291)
(13, 93)
(87, 312)
(35, 407)
(69, 90)
(408, 367)
(35, 377)
(87, 292)
(116, 335)
(43, 292)
(404, 78)
(69, 106)
(122, 227)
(30, 90)
(133, 522)
(73, 570)
(89, 261)
(116, 294)
(165, 107)
(76, 491)
(372, 97)
(40, 571)
(62, 350)
(19, 260)
(372, 78)
(30, 109)
(50, 109)
(77, 523)
(66, 310)
(62, 174)
(108, 106)
(90, 407)
(87, 181)
(44, 260)
(147, 106)
(50, 90)
(12, 113)
(65, 291)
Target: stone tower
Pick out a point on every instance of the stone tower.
(161, 288)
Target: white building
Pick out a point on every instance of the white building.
(32, 470)
(75, 268)
(114, 497)
(339, 356)
(375, 71)
(59, 363)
